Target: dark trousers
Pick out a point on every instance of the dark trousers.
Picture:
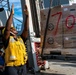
(16, 70)
(2, 73)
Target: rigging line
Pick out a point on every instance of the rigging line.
(45, 32)
(17, 19)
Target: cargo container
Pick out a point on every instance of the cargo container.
(60, 34)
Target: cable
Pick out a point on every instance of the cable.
(48, 17)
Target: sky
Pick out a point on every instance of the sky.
(17, 12)
(17, 8)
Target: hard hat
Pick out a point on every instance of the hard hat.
(4, 29)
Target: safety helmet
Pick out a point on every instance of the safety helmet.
(4, 30)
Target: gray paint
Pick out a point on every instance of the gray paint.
(55, 2)
(3, 18)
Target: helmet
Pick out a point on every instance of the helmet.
(4, 30)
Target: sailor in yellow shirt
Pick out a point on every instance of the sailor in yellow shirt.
(14, 46)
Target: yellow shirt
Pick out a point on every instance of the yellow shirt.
(15, 53)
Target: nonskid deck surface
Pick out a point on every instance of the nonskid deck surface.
(59, 67)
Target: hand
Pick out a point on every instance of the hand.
(25, 10)
(12, 9)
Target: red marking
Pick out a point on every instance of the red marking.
(66, 22)
(58, 13)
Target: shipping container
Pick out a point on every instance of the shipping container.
(60, 35)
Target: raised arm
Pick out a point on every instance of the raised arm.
(26, 25)
(8, 23)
